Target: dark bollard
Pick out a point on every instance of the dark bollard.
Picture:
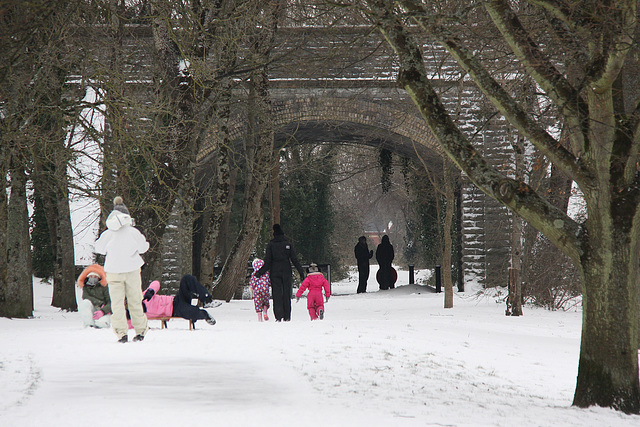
(438, 279)
(411, 278)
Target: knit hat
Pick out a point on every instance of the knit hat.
(277, 230)
(118, 205)
(313, 267)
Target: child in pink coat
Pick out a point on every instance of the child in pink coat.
(315, 282)
(156, 305)
(260, 289)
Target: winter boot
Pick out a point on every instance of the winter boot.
(138, 338)
(260, 316)
(211, 320)
(321, 314)
(123, 339)
(264, 313)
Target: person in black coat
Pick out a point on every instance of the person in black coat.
(384, 256)
(363, 255)
(191, 289)
(277, 261)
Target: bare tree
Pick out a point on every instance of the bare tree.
(51, 160)
(602, 157)
(36, 106)
(259, 151)
(16, 291)
(225, 26)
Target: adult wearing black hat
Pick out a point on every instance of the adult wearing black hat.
(277, 261)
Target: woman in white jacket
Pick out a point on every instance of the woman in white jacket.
(122, 244)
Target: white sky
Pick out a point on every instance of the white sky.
(388, 358)
(86, 174)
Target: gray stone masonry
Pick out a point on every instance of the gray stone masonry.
(337, 85)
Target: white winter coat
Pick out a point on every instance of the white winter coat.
(122, 244)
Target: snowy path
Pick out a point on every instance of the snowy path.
(393, 358)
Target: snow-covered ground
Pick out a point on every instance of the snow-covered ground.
(386, 358)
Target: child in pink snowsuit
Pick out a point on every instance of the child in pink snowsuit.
(260, 287)
(315, 281)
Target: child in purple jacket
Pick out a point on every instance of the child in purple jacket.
(315, 282)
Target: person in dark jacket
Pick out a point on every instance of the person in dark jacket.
(363, 255)
(277, 261)
(191, 289)
(180, 305)
(384, 256)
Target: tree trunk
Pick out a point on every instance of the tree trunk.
(50, 176)
(222, 247)
(214, 215)
(514, 306)
(608, 368)
(221, 198)
(235, 268)
(603, 163)
(115, 156)
(275, 190)
(515, 280)
(64, 290)
(259, 153)
(530, 234)
(448, 243)
(186, 203)
(227, 20)
(17, 294)
(3, 224)
(38, 114)
(171, 174)
(153, 225)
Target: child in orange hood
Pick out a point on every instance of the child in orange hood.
(95, 307)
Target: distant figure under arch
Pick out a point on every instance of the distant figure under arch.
(384, 256)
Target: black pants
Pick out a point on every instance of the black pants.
(281, 292)
(188, 311)
(363, 277)
(386, 277)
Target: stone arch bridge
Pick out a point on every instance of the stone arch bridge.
(338, 85)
